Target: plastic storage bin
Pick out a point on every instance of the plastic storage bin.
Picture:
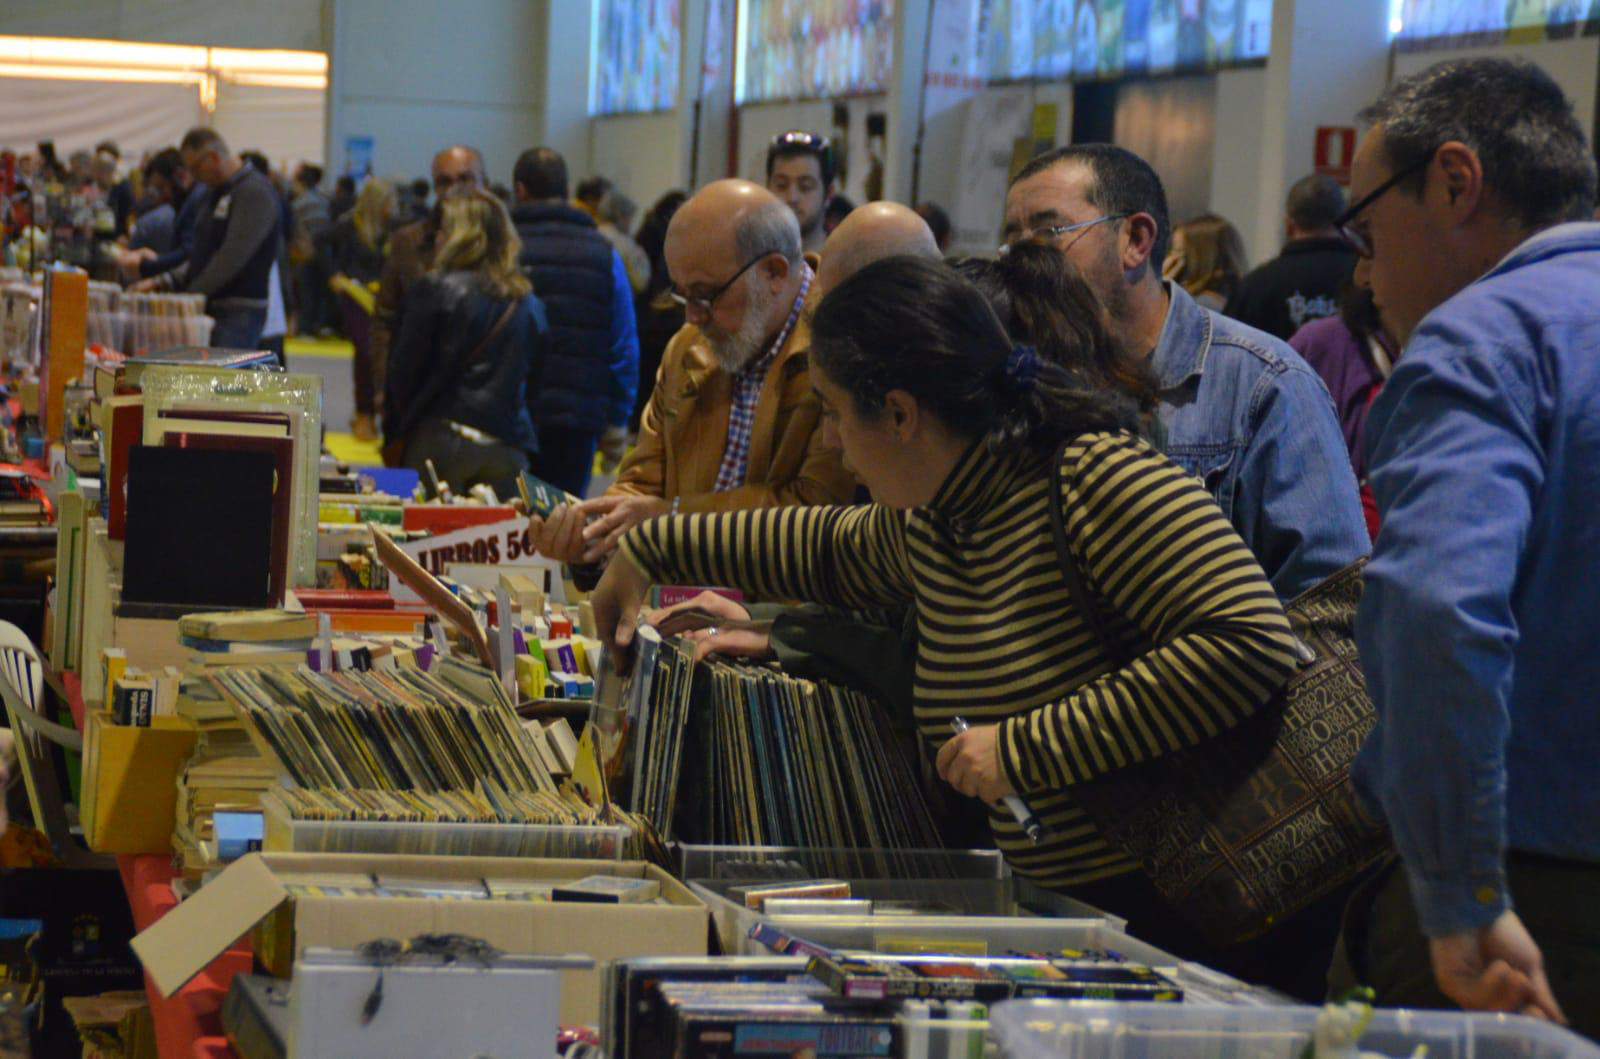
(1034, 1029)
(280, 834)
(726, 862)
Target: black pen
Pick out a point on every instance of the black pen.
(1019, 808)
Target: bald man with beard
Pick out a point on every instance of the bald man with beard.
(732, 422)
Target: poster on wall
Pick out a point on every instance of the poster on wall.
(1466, 23)
(996, 120)
(359, 156)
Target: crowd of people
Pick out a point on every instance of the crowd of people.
(815, 405)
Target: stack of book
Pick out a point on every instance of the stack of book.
(227, 772)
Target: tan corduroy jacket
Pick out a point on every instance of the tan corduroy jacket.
(684, 430)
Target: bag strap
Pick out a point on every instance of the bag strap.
(1069, 566)
(415, 410)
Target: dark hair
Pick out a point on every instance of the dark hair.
(203, 138)
(1532, 148)
(1315, 202)
(914, 324)
(938, 222)
(799, 144)
(345, 183)
(109, 147)
(652, 238)
(420, 188)
(1123, 183)
(542, 172)
(592, 188)
(837, 209)
(309, 175)
(1043, 299)
(165, 164)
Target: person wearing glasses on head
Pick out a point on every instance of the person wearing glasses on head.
(411, 247)
(733, 422)
(1240, 409)
(801, 171)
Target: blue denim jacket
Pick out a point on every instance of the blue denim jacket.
(1245, 414)
(1479, 630)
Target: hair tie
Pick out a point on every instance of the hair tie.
(1022, 367)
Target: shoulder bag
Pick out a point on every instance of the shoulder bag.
(1246, 829)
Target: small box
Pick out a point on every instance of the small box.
(129, 775)
(253, 894)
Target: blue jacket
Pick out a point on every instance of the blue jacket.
(592, 372)
(1480, 623)
(1245, 414)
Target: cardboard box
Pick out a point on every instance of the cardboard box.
(129, 775)
(252, 895)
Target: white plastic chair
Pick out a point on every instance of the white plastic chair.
(23, 677)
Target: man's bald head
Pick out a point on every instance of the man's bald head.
(737, 218)
(871, 233)
(458, 168)
(736, 246)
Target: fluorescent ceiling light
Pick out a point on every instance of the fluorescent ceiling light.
(310, 81)
(101, 73)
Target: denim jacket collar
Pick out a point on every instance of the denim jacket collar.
(1180, 354)
(1577, 235)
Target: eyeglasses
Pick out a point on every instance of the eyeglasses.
(1358, 238)
(1052, 232)
(704, 304)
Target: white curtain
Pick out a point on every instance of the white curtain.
(79, 114)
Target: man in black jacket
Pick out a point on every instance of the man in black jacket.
(1302, 283)
(236, 241)
(591, 370)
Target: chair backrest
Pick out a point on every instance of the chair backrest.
(22, 682)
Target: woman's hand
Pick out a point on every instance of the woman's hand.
(712, 603)
(616, 602)
(971, 764)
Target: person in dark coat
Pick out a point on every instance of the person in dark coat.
(593, 368)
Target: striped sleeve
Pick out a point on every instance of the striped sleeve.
(843, 556)
(1158, 553)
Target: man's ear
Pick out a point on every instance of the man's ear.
(777, 269)
(1139, 241)
(903, 413)
(1460, 173)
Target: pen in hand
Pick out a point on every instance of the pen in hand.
(1026, 817)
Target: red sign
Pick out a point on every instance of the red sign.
(1335, 151)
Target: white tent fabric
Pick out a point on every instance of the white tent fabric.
(79, 114)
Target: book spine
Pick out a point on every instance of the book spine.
(144, 701)
(121, 705)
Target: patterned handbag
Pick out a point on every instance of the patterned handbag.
(1246, 829)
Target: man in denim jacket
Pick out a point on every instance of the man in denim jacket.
(1481, 617)
(1241, 410)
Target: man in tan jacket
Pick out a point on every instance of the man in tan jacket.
(733, 422)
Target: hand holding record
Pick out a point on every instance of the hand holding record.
(616, 601)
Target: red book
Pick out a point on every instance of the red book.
(344, 599)
(447, 518)
(126, 414)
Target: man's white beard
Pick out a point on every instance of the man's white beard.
(734, 350)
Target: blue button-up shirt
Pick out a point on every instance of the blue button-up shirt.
(1245, 414)
(1479, 629)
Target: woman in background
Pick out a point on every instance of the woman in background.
(1207, 259)
(466, 364)
(355, 249)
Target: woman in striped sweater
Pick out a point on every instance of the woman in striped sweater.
(952, 429)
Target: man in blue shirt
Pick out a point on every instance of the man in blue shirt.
(1479, 623)
(1240, 408)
